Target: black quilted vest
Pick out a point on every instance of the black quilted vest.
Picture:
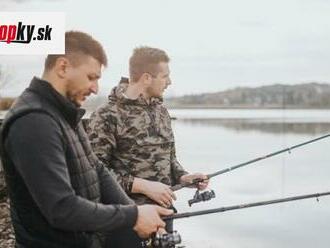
(31, 227)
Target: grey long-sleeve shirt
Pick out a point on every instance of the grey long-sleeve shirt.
(35, 145)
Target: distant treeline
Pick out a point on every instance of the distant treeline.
(309, 95)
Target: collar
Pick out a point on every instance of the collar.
(69, 110)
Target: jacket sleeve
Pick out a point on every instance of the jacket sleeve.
(102, 135)
(111, 191)
(39, 157)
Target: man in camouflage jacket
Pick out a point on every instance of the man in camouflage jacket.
(132, 132)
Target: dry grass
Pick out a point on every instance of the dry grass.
(6, 102)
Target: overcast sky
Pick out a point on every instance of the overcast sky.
(214, 44)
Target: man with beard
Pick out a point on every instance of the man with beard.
(132, 132)
(61, 194)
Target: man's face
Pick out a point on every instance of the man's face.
(160, 81)
(82, 80)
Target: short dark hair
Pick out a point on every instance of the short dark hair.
(145, 60)
(79, 43)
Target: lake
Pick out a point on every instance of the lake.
(208, 140)
(211, 140)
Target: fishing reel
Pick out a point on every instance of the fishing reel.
(166, 240)
(199, 197)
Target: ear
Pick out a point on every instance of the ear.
(146, 78)
(61, 67)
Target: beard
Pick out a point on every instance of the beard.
(73, 98)
(154, 92)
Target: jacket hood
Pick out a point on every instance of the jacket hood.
(117, 94)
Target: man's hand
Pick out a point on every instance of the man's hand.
(190, 177)
(159, 192)
(149, 221)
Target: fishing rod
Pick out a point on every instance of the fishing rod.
(207, 195)
(246, 205)
(171, 240)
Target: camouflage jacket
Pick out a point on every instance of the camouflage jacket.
(135, 139)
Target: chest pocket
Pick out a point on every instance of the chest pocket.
(148, 127)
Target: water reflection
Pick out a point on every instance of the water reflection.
(262, 126)
(210, 143)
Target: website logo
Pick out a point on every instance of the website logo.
(21, 33)
(32, 33)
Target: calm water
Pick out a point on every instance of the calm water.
(211, 140)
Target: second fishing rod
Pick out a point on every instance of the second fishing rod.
(207, 195)
(171, 240)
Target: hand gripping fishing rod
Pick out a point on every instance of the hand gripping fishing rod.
(176, 239)
(205, 196)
